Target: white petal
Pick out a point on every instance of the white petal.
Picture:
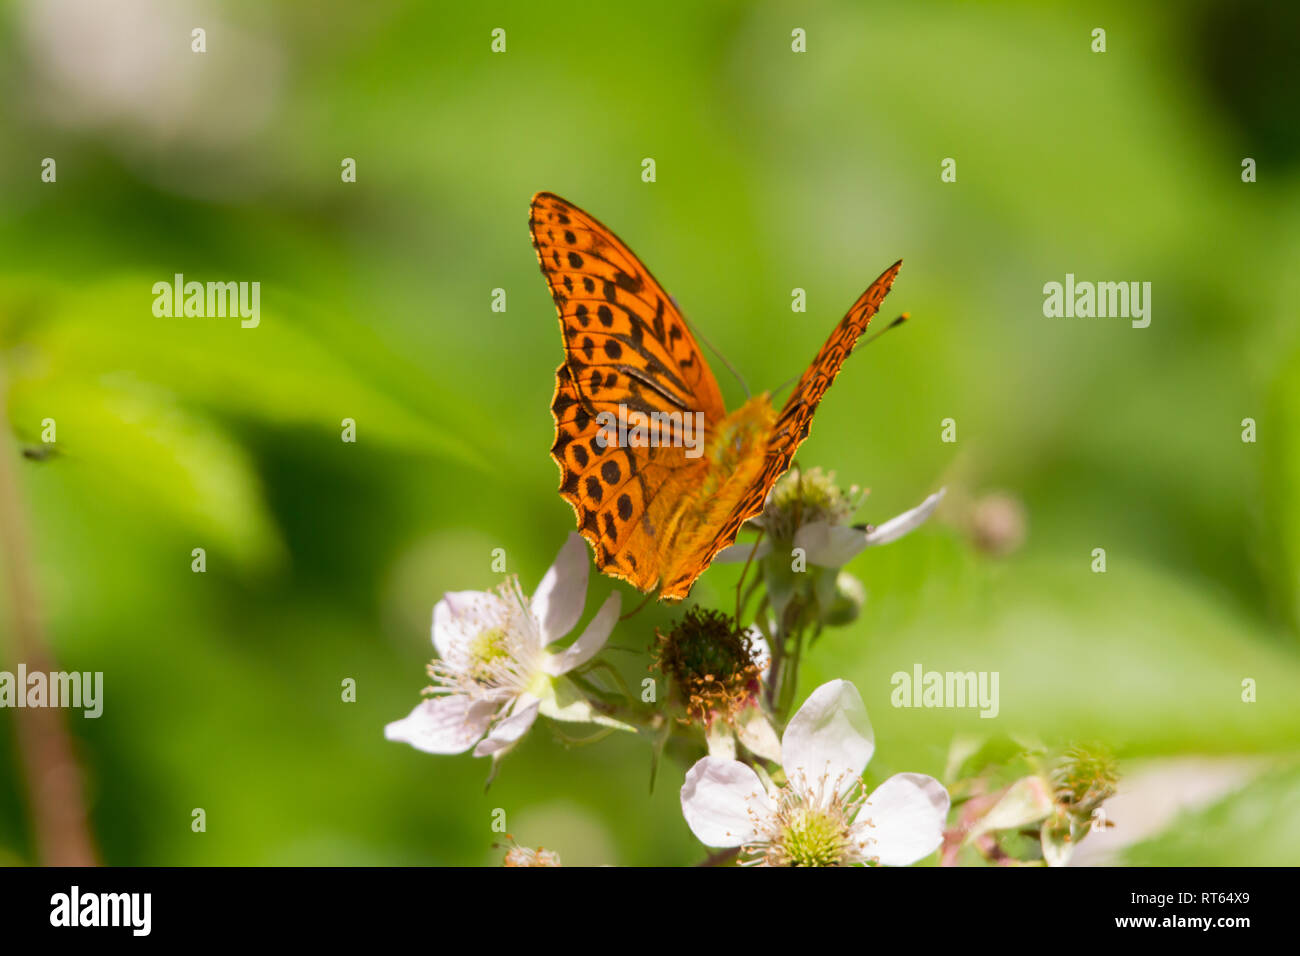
(741, 551)
(1059, 842)
(904, 818)
(762, 652)
(461, 616)
(443, 725)
(829, 739)
(829, 545)
(508, 732)
(756, 733)
(896, 527)
(557, 605)
(592, 639)
(723, 801)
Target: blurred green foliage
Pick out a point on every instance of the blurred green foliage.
(775, 170)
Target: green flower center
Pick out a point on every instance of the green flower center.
(800, 497)
(485, 650)
(813, 837)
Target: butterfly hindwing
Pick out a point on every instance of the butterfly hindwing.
(586, 466)
(622, 498)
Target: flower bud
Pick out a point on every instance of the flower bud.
(849, 598)
(997, 524)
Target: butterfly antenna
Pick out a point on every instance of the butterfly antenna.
(714, 349)
(637, 610)
(869, 339)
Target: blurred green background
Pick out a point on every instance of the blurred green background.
(775, 170)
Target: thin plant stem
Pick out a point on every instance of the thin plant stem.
(743, 572)
(51, 774)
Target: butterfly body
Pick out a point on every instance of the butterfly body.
(656, 513)
(734, 454)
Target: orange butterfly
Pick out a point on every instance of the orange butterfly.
(654, 514)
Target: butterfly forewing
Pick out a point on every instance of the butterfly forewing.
(796, 416)
(626, 342)
(627, 349)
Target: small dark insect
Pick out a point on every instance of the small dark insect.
(39, 452)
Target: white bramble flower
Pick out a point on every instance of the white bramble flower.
(807, 510)
(821, 817)
(494, 674)
(805, 524)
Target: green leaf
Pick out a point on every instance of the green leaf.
(1258, 825)
(277, 373)
(1147, 661)
(127, 441)
(1278, 442)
